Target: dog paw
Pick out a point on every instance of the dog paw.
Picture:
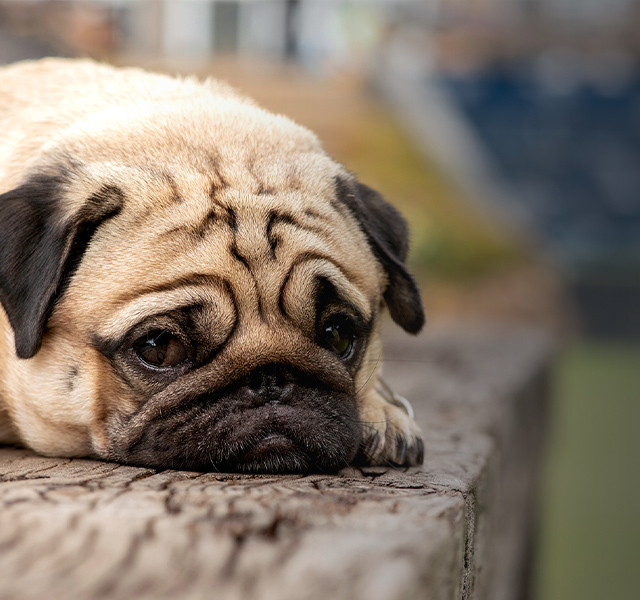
(390, 434)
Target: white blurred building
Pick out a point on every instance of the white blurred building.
(317, 33)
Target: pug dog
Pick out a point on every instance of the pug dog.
(189, 282)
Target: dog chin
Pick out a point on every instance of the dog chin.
(312, 430)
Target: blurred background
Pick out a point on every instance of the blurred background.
(508, 132)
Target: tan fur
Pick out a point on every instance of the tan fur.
(171, 146)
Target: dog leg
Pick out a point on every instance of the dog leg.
(390, 435)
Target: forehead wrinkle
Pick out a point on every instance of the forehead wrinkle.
(301, 237)
(318, 249)
(134, 310)
(297, 289)
(174, 194)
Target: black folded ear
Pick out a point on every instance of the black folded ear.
(388, 236)
(40, 249)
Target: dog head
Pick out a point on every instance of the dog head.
(197, 285)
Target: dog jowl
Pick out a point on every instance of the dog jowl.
(188, 281)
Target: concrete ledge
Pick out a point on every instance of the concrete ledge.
(459, 527)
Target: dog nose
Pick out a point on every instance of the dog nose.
(269, 384)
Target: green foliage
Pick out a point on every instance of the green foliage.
(451, 239)
(443, 253)
(590, 528)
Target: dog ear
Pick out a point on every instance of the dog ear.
(40, 249)
(388, 237)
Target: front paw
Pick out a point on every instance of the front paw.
(390, 435)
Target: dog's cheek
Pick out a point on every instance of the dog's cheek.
(110, 399)
(64, 397)
(48, 415)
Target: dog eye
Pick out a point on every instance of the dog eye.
(338, 336)
(161, 349)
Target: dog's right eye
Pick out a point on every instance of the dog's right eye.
(161, 349)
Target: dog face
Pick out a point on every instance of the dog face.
(190, 282)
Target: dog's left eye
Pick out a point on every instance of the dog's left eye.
(161, 349)
(338, 335)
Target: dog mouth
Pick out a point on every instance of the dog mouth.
(276, 452)
(293, 426)
(278, 438)
(272, 444)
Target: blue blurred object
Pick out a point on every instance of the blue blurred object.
(570, 155)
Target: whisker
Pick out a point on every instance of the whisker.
(405, 360)
(388, 464)
(371, 375)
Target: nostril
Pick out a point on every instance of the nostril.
(280, 394)
(268, 385)
(263, 378)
